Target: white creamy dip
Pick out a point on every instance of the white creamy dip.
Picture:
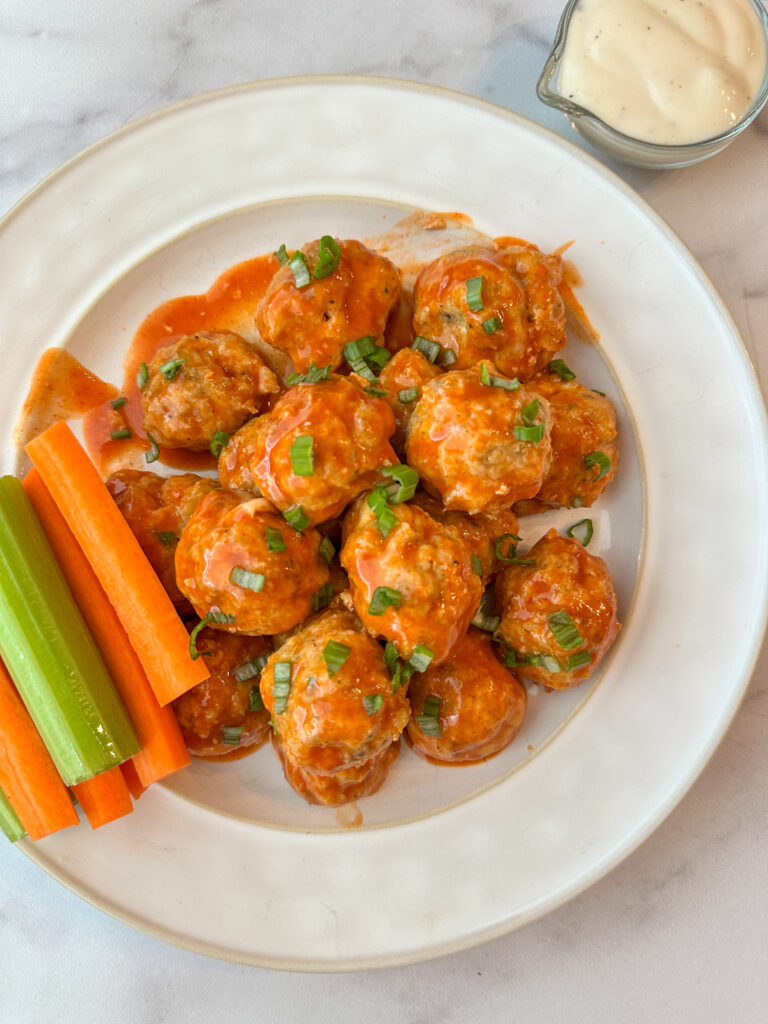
(665, 71)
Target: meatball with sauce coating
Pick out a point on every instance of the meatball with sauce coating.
(501, 304)
(202, 384)
(414, 586)
(224, 714)
(584, 450)
(238, 556)
(402, 378)
(477, 445)
(156, 508)
(313, 321)
(474, 705)
(344, 434)
(559, 614)
(336, 719)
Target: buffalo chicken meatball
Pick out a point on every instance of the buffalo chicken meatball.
(402, 378)
(239, 558)
(336, 719)
(468, 708)
(558, 614)
(416, 585)
(318, 448)
(331, 293)
(156, 508)
(501, 304)
(584, 450)
(224, 714)
(203, 384)
(477, 441)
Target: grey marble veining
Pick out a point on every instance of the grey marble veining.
(679, 931)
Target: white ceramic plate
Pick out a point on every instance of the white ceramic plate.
(225, 859)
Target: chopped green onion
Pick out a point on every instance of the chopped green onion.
(250, 668)
(447, 357)
(577, 501)
(166, 537)
(429, 349)
(491, 325)
(386, 519)
(510, 555)
(372, 703)
(379, 357)
(296, 517)
(9, 821)
(322, 598)
(255, 700)
(302, 455)
(564, 630)
(365, 356)
(530, 412)
(300, 270)
(218, 441)
(408, 395)
(405, 480)
(245, 578)
(281, 255)
(420, 659)
(475, 293)
(328, 255)
(492, 381)
(383, 598)
(50, 654)
(533, 433)
(172, 367)
(354, 351)
(275, 540)
(376, 392)
(120, 435)
(429, 719)
(313, 375)
(215, 617)
(118, 403)
(484, 618)
(390, 655)
(545, 661)
(402, 674)
(334, 656)
(599, 459)
(154, 450)
(326, 550)
(563, 371)
(142, 376)
(477, 565)
(578, 659)
(281, 685)
(231, 735)
(509, 655)
(581, 531)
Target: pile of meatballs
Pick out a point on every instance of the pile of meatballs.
(352, 571)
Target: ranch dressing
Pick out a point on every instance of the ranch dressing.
(665, 71)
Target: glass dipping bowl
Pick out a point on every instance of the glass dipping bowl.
(623, 147)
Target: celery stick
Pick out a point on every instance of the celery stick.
(9, 823)
(50, 653)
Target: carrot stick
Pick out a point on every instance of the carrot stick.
(162, 746)
(28, 776)
(132, 780)
(104, 798)
(157, 633)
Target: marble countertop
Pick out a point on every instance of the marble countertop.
(679, 931)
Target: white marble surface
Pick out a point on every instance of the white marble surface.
(680, 930)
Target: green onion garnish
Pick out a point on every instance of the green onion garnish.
(231, 735)
(401, 675)
(255, 701)
(564, 630)
(302, 455)
(577, 501)
(509, 655)
(390, 655)
(386, 519)
(334, 656)
(218, 441)
(296, 517)
(581, 531)
(477, 565)
(372, 703)
(533, 433)
(171, 368)
(376, 392)
(275, 540)
(120, 435)
(429, 349)
(118, 403)
(154, 450)
(218, 618)
(545, 661)
(313, 375)
(447, 357)
(322, 598)
(142, 376)
(510, 554)
(404, 482)
(475, 293)
(326, 550)
(408, 395)
(492, 381)
(420, 659)
(245, 578)
(491, 325)
(250, 668)
(281, 686)
(598, 459)
(383, 598)
(563, 371)
(328, 255)
(483, 618)
(578, 659)
(281, 255)
(298, 265)
(429, 719)
(166, 537)
(365, 356)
